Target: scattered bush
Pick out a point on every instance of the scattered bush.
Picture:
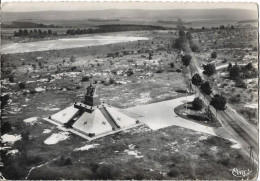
(21, 85)
(186, 59)
(214, 55)
(197, 104)
(85, 79)
(25, 136)
(234, 72)
(241, 84)
(129, 72)
(172, 173)
(5, 127)
(250, 114)
(62, 161)
(209, 69)
(224, 61)
(159, 71)
(4, 100)
(11, 79)
(138, 176)
(105, 172)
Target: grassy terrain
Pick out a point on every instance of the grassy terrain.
(198, 116)
(232, 46)
(170, 153)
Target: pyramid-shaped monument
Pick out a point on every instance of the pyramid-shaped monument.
(93, 118)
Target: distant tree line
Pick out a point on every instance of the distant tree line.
(23, 24)
(34, 33)
(114, 28)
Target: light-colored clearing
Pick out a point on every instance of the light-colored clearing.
(86, 147)
(31, 120)
(10, 138)
(56, 137)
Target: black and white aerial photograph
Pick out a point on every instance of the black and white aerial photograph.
(129, 91)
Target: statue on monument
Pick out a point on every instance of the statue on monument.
(90, 90)
(90, 98)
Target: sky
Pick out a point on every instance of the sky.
(64, 6)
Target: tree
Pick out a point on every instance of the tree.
(49, 32)
(182, 33)
(197, 103)
(172, 65)
(150, 56)
(196, 79)
(188, 35)
(181, 43)
(39, 31)
(25, 32)
(206, 88)
(194, 47)
(72, 58)
(249, 66)
(180, 24)
(214, 55)
(20, 33)
(186, 59)
(229, 66)
(218, 102)
(234, 72)
(209, 69)
(16, 34)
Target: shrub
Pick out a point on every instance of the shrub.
(234, 72)
(73, 68)
(178, 70)
(172, 173)
(138, 176)
(209, 69)
(4, 100)
(25, 136)
(159, 71)
(93, 167)
(21, 85)
(104, 172)
(129, 72)
(186, 59)
(85, 79)
(68, 161)
(241, 84)
(224, 161)
(214, 55)
(11, 79)
(5, 127)
(218, 102)
(224, 61)
(62, 161)
(197, 104)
